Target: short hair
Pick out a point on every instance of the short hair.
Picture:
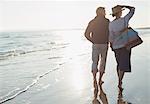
(99, 9)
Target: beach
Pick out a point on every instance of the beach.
(54, 67)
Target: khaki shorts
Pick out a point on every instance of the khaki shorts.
(99, 52)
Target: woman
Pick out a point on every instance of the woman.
(122, 54)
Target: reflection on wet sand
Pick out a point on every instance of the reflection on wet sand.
(120, 98)
(103, 97)
(95, 101)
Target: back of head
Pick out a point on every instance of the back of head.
(100, 11)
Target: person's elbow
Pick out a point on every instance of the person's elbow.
(86, 34)
(133, 9)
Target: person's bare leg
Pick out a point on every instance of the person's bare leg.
(94, 72)
(101, 73)
(121, 75)
(118, 72)
(102, 66)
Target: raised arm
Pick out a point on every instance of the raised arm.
(131, 12)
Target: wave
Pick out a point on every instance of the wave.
(8, 54)
(14, 93)
(13, 53)
(55, 57)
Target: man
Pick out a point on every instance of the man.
(97, 32)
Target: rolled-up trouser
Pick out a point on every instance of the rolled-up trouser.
(99, 52)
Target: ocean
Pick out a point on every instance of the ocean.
(27, 57)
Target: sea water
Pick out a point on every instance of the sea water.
(25, 57)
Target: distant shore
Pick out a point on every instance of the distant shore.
(59, 29)
(143, 28)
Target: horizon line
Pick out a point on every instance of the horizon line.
(59, 29)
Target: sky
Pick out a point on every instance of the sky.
(24, 15)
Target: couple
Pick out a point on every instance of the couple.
(101, 32)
